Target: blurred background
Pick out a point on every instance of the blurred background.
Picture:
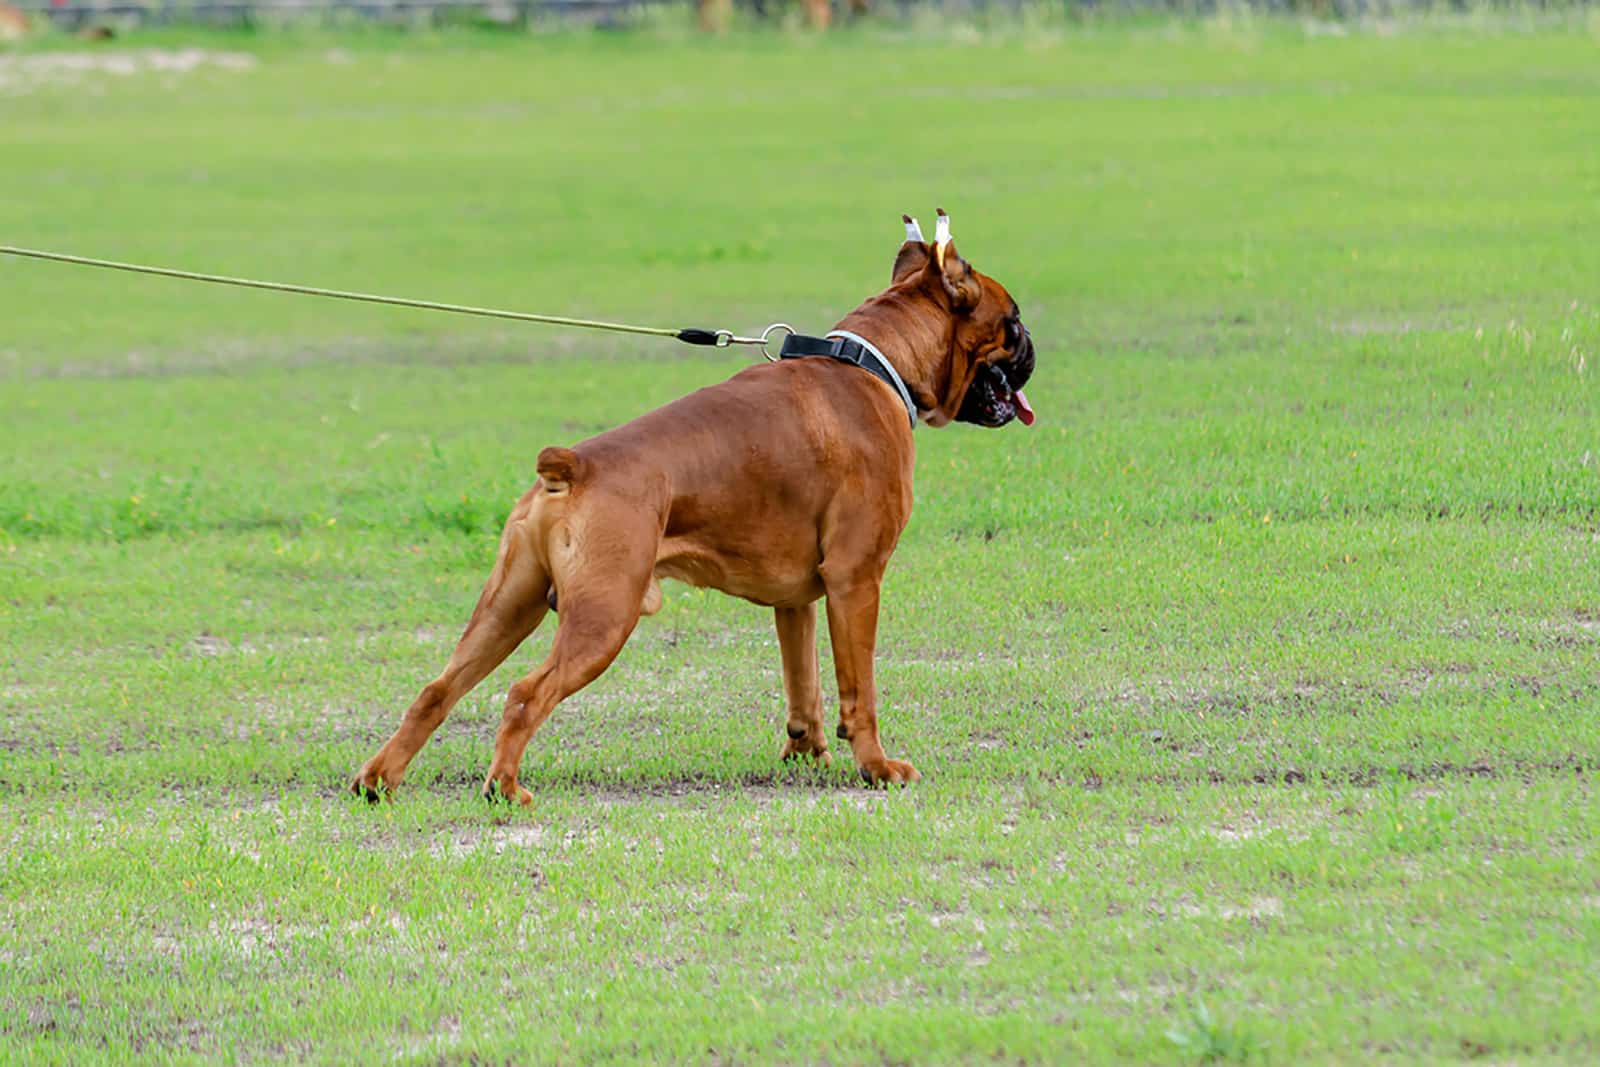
(1255, 685)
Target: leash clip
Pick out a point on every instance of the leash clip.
(766, 338)
(727, 338)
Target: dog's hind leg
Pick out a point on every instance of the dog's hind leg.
(511, 606)
(802, 688)
(603, 581)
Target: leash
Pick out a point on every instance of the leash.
(840, 345)
(692, 336)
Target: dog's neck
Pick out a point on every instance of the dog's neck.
(916, 343)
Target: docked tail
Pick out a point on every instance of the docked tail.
(559, 468)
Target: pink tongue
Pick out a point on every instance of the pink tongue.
(1024, 412)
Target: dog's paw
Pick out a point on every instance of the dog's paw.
(889, 772)
(803, 746)
(496, 793)
(372, 784)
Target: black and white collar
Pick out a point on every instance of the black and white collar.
(847, 347)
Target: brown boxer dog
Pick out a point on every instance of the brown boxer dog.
(787, 483)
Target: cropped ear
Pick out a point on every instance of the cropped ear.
(913, 255)
(957, 277)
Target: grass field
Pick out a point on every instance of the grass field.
(1257, 687)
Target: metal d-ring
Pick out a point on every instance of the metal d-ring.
(766, 338)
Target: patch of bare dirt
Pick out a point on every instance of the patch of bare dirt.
(1255, 908)
(1364, 326)
(467, 840)
(1202, 696)
(23, 73)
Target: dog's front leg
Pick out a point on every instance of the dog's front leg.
(853, 629)
(802, 687)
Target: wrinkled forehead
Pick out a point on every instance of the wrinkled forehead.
(996, 301)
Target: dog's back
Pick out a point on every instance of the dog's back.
(742, 475)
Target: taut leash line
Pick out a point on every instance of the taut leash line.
(693, 336)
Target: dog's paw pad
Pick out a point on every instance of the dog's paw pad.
(495, 794)
(889, 772)
(369, 788)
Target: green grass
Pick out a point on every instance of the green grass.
(1256, 687)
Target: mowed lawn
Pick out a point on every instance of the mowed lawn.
(1256, 688)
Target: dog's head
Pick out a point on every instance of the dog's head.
(991, 354)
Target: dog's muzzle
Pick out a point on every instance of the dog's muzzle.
(995, 396)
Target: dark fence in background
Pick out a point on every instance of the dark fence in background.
(78, 14)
